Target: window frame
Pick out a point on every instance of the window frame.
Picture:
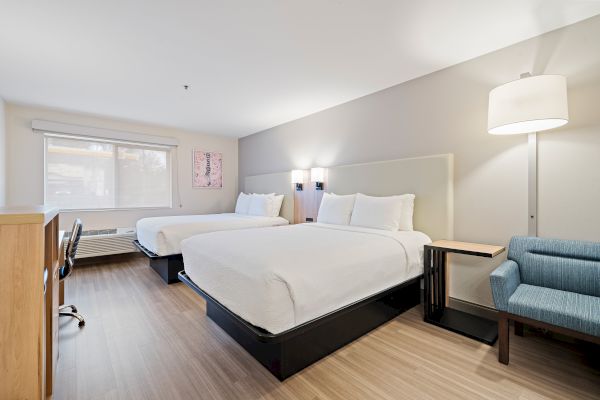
(116, 143)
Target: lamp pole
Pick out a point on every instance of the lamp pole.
(531, 178)
(532, 183)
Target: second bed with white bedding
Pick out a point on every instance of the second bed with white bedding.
(277, 279)
(163, 235)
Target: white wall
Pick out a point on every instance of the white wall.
(446, 112)
(25, 161)
(2, 155)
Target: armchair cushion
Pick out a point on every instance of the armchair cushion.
(504, 281)
(569, 265)
(567, 309)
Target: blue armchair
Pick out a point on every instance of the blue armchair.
(551, 284)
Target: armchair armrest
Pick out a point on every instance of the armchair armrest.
(504, 281)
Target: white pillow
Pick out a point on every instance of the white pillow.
(243, 203)
(276, 202)
(336, 209)
(391, 213)
(261, 204)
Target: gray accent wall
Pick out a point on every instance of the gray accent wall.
(446, 112)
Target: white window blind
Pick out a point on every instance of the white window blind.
(84, 173)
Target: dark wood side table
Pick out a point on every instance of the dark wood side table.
(437, 311)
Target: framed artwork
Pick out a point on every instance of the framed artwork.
(207, 169)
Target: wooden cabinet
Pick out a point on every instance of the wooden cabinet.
(29, 244)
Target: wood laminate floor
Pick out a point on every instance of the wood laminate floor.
(146, 340)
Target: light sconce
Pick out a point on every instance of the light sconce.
(317, 175)
(298, 178)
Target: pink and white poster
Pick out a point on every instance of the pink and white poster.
(208, 169)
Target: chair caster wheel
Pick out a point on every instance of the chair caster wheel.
(74, 309)
(81, 324)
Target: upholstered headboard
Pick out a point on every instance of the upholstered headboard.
(429, 178)
(279, 183)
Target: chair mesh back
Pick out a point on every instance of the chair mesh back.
(72, 246)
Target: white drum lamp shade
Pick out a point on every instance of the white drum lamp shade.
(531, 104)
(297, 176)
(317, 174)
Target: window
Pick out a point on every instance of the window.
(101, 174)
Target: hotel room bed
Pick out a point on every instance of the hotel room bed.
(300, 292)
(294, 294)
(160, 237)
(163, 235)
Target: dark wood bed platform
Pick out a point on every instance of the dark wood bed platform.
(288, 352)
(166, 266)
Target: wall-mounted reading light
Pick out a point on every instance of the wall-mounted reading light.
(317, 175)
(298, 178)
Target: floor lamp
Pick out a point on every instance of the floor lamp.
(529, 105)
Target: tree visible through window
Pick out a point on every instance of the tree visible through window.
(88, 174)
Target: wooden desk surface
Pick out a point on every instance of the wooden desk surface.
(16, 215)
(476, 249)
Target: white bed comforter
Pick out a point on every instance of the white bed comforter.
(163, 235)
(280, 278)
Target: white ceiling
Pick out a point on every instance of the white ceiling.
(251, 64)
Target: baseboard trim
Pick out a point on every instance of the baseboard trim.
(473, 308)
(467, 306)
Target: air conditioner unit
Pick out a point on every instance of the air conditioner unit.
(104, 242)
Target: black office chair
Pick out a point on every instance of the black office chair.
(67, 269)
